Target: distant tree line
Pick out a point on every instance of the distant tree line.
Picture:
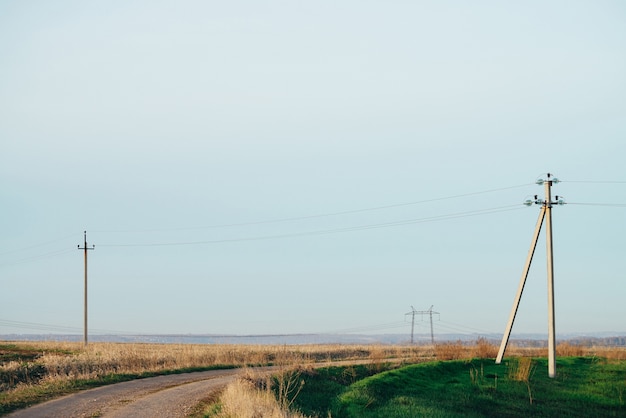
(593, 341)
(580, 341)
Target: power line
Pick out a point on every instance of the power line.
(330, 231)
(323, 215)
(37, 326)
(37, 257)
(60, 328)
(460, 326)
(378, 327)
(594, 181)
(616, 205)
(30, 247)
(284, 236)
(337, 213)
(450, 328)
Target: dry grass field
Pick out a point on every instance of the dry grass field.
(69, 361)
(31, 372)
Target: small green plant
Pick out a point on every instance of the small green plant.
(288, 384)
(349, 374)
(477, 377)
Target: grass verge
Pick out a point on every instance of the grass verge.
(584, 387)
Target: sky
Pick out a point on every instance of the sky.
(283, 167)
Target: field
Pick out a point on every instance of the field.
(584, 387)
(31, 372)
(382, 379)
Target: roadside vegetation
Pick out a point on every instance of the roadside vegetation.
(584, 387)
(457, 380)
(380, 381)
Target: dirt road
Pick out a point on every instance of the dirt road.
(162, 396)
(170, 396)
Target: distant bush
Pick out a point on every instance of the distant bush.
(567, 349)
(484, 349)
(450, 351)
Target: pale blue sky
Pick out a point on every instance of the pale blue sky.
(154, 122)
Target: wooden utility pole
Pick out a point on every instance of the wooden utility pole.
(85, 248)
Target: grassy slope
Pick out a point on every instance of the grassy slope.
(584, 386)
(323, 386)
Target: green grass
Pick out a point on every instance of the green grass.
(323, 386)
(584, 387)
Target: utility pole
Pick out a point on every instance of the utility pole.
(545, 213)
(412, 313)
(85, 248)
(432, 334)
(551, 320)
(430, 312)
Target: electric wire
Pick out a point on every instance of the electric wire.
(61, 328)
(283, 236)
(471, 330)
(37, 326)
(615, 205)
(594, 181)
(323, 215)
(311, 233)
(58, 328)
(378, 327)
(38, 257)
(50, 254)
(404, 324)
(30, 247)
(452, 328)
(330, 231)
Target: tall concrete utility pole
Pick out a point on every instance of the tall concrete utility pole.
(545, 213)
(85, 248)
(551, 320)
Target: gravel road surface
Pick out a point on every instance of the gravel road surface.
(163, 396)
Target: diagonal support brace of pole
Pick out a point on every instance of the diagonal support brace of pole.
(518, 296)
